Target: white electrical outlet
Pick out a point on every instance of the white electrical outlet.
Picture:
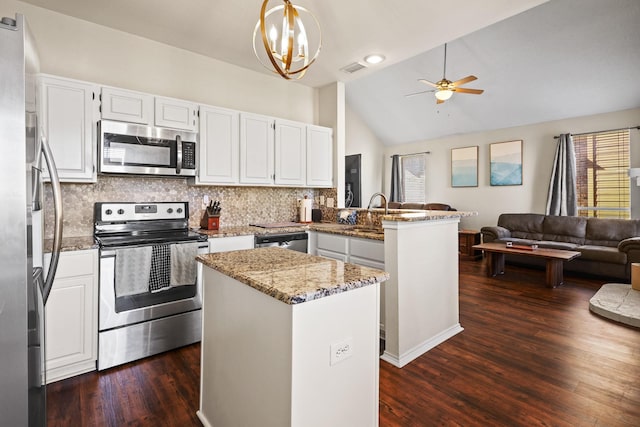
(322, 200)
(341, 351)
(329, 202)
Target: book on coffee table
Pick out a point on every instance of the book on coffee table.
(523, 247)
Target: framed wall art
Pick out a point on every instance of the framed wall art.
(464, 167)
(506, 163)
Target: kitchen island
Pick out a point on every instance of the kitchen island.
(288, 339)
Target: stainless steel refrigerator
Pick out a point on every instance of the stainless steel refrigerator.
(23, 285)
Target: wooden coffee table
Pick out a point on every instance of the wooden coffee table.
(554, 258)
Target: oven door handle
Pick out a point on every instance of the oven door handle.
(179, 154)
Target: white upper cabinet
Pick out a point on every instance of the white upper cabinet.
(137, 107)
(256, 149)
(127, 106)
(319, 156)
(290, 152)
(176, 114)
(219, 146)
(68, 115)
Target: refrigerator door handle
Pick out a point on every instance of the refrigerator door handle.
(57, 209)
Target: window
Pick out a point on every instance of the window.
(412, 178)
(602, 164)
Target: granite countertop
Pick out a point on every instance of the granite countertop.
(427, 215)
(248, 230)
(87, 242)
(289, 276)
(71, 244)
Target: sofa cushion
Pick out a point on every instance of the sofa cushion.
(609, 232)
(570, 229)
(602, 254)
(523, 226)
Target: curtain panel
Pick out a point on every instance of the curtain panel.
(561, 198)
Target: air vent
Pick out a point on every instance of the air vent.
(352, 68)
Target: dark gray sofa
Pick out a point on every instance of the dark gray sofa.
(607, 246)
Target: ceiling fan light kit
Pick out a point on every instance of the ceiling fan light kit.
(288, 49)
(444, 88)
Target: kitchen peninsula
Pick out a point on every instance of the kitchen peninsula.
(421, 298)
(288, 339)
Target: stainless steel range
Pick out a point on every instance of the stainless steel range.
(150, 283)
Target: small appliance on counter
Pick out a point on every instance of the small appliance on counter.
(305, 206)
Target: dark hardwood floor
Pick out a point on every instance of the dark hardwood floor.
(529, 356)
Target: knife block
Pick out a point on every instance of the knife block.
(210, 222)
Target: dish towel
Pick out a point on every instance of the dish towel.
(160, 268)
(133, 266)
(184, 268)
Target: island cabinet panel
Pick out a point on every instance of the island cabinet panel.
(268, 363)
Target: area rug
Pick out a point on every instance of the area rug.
(618, 302)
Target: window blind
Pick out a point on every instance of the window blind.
(412, 169)
(602, 164)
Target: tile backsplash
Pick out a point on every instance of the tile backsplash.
(240, 205)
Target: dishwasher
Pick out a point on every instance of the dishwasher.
(295, 241)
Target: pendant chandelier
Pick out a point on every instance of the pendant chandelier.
(287, 47)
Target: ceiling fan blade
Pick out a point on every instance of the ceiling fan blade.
(465, 80)
(427, 82)
(439, 101)
(465, 90)
(418, 93)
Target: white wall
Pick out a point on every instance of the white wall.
(360, 140)
(538, 153)
(331, 113)
(82, 50)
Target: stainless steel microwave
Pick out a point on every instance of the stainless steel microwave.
(127, 148)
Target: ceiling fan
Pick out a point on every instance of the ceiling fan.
(444, 88)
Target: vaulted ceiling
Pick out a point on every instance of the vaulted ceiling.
(536, 60)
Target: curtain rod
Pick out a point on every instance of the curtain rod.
(411, 154)
(598, 131)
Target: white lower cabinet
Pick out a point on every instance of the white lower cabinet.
(366, 252)
(71, 316)
(233, 243)
(355, 250)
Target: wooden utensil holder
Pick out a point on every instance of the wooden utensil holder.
(210, 222)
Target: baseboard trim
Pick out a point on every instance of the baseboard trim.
(421, 348)
(203, 419)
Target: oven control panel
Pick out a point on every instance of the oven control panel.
(141, 211)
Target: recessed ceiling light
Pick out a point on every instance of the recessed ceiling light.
(374, 58)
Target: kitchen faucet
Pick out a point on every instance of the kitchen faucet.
(382, 196)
